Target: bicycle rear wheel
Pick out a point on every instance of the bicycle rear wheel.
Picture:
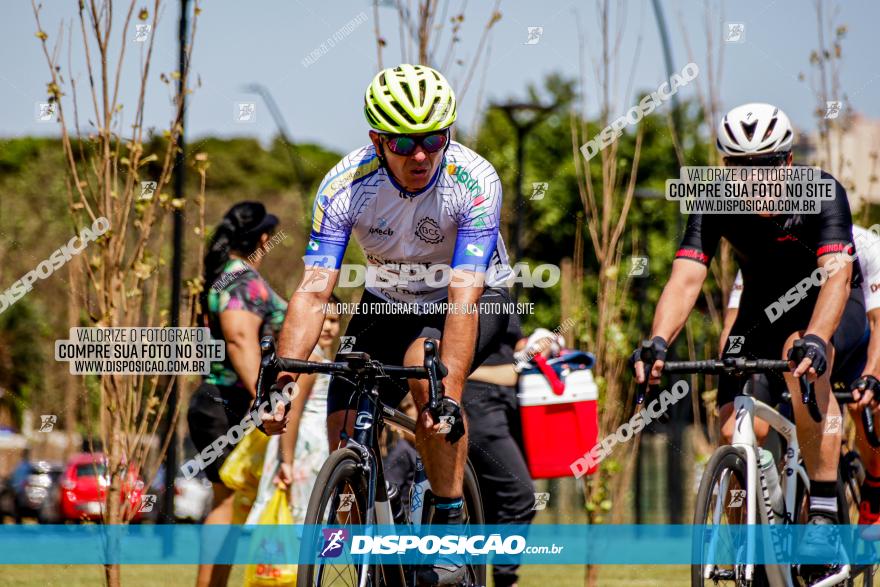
(722, 500)
(338, 499)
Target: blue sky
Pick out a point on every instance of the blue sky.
(265, 42)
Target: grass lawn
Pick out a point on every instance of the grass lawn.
(174, 575)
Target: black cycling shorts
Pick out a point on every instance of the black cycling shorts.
(385, 336)
(850, 342)
(213, 410)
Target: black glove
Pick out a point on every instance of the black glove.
(657, 352)
(867, 383)
(815, 351)
(451, 409)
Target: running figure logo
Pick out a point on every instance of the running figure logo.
(345, 502)
(47, 423)
(535, 33)
(346, 344)
(541, 501)
(735, 344)
(334, 542)
(446, 423)
(832, 109)
(539, 189)
(737, 496)
(736, 32)
(639, 267)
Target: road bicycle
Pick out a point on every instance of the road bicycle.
(350, 489)
(734, 489)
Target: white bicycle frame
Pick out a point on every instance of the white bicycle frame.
(746, 409)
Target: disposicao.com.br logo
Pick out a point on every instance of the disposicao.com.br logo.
(447, 544)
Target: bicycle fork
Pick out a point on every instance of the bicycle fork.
(364, 440)
(744, 440)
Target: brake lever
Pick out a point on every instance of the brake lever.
(808, 396)
(436, 372)
(265, 378)
(870, 429)
(648, 357)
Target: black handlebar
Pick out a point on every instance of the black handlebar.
(358, 366)
(734, 366)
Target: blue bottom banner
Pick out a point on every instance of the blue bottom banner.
(540, 544)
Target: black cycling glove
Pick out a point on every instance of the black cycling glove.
(867, 382)
(658, 349)
(815, 351)
(449, 414)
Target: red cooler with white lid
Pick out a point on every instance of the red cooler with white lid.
(558, 429)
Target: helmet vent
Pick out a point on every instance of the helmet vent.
(423, 89)
(403, 113)
(729, 132)
(770, 128)
(749, 129)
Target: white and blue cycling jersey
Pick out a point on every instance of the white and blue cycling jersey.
(453, 222)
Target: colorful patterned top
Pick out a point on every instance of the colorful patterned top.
(240, 287)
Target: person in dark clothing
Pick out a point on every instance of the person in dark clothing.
(495, 440)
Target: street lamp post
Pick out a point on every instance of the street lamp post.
(523, 117)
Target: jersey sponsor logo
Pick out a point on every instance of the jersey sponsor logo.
(787, 237)
(692, 254)
(463, 177)
(341, 180)
(480, 204)
(429, 231)
(381, 231)
(834, 248)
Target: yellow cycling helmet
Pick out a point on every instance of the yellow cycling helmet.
(409, 99)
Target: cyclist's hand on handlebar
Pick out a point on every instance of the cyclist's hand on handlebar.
(814, 361)
(865, 390)
(449, 420)
(659, 348)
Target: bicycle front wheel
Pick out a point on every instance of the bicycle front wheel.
(339, 499)
(473, 503)
(721, 500)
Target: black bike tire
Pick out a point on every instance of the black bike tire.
(333, 472)
(725, 457)
(476, 516)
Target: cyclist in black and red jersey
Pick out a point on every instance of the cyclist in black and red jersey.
(775, 253)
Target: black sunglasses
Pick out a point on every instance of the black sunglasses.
(774, 160)
(406, 144)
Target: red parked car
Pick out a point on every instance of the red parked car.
(84, 487)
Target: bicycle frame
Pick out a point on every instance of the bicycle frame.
(371, 414)
(746, 409)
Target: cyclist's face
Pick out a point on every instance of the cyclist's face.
(767, 161)
(412, 171)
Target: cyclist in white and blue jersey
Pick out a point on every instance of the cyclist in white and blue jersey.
(426, 211)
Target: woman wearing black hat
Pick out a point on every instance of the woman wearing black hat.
(240, 307)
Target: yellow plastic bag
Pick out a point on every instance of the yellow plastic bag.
(242, 468)
(266, 574)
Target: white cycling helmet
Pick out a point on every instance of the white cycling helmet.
(754, 129)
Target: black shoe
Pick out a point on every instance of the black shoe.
(444, 571)
(820, 541)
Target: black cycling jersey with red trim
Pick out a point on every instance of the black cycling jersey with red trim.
(775, 253)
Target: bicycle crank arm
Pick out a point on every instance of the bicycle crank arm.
(835, 579)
